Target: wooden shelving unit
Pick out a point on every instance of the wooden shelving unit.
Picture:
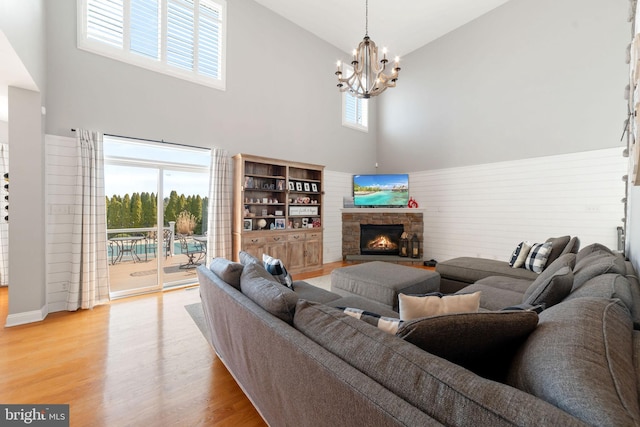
(277, 210)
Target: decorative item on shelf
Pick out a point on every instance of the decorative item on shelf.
(368, 78)
(278, 213)
(247, 224)
(262, 223)
(298, 186)
(280, 184)
(292, 186)
(314, 187)
(264, 212)
(415, 246)
(412, 203)
(316, 223)
(404, 245)
(248, 182)
(307, 187)
(279, 223)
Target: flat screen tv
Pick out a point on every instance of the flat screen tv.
(381, 190)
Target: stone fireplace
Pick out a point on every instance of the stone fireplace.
(411, 221)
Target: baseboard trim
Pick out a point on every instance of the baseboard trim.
(26, 317)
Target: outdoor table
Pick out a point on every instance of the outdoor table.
(124, 245)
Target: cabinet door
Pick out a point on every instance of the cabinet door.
(276, 246)
(312, 251)
(295, 254)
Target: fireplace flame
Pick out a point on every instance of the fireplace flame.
(381, 242)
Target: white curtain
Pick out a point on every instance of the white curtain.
(219, 229)
(89, 285)
(4, 225)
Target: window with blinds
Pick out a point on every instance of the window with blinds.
(355, 112)
(182, 38)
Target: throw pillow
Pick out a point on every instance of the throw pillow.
(387, 324)
(276, 267)
(558, 244)
(481, 342)
(414, 307)
(228, 271)
(537, 257)
(519, 255)
(553, 284)
(267, 293)
(580, 359)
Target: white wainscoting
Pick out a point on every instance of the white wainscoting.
(337, 186)
(60, 175)
(486, 210)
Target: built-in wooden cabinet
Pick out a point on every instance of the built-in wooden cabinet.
(277, 210)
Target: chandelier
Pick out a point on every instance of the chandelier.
(368, 78)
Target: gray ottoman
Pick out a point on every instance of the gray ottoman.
(383, 281)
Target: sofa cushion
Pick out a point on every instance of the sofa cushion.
(277, 269)
(275, 298)
(572, 247)
(557, 247)
(413, 306)
(553, 284)
(470, 269)
(228, 271)
(519, 254)
(596, 264)
(498, 292)
(246, 258)
(313, 293)
(584, 367)
(537, 258)
(482, 342)
(591, 249)
(609, 285)
(634, 286)
(445, 391)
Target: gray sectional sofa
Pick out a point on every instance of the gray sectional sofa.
(303, 362)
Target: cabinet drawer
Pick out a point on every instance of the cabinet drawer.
(296, 237)
(249, 240)
(314, 236)
(275, 239)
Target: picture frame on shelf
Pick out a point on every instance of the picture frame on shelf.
(247, 224)
(248, 182)
(314, 187)
(292, 186)
(280, 185)
(307, 187)
(298, 186)
(280, 224)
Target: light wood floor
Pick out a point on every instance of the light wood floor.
(138, 361)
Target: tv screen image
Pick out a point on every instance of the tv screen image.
(381, 190)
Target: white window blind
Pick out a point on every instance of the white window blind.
(355, 112)
(183, 38)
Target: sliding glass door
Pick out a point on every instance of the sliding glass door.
(156, 214)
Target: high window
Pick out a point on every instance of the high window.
(181, 38)
(355, 111)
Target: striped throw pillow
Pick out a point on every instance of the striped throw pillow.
(537, 258)
(277, 270)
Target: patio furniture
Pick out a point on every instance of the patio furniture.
(152, 238)
(195, 248)
(122, 245)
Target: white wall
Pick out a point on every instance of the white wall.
(530, 78)
(486, 210)
(337, 185)
(281, 99)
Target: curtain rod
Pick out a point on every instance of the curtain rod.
(152, 140)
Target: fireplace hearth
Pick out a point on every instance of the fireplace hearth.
(380, 239)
